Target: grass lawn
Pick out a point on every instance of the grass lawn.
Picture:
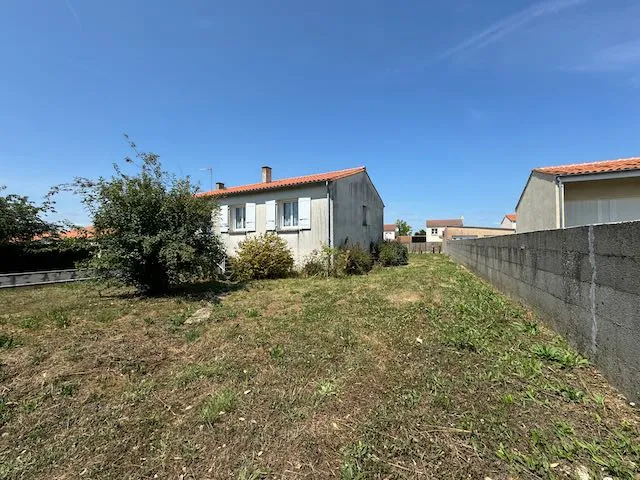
(421, 371)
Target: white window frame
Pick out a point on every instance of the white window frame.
(280, 215)
(234, 210)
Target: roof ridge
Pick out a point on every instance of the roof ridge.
(289, 181)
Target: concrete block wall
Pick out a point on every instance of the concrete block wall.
(585, 281)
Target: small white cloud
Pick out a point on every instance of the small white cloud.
(619, 57)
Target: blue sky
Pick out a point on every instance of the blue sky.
(449, 103)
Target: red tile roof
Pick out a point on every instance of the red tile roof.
(284, 183)
(453, 222)
(389, 227)
(593, 167)
(511, 217)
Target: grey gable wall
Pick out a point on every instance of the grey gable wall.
(349, 195)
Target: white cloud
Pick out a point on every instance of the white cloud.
(619, 57)
(510, 24)
(73, 11)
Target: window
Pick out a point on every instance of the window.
(364, 215)
(289, 217)
(239, 218)
(434, 231)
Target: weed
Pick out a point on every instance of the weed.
(277, 353)
(355, 461)
(140, 390)
(32, 322)
(411, 398)
(251, 472)
(327, 388)
(8, 341)
(68, 389)
(216, 405)
(530, 328)
(59, 318)
(566, 358)
(192, 334)
(571, 393)
(252, 313)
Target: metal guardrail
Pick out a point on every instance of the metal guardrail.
(25, 279)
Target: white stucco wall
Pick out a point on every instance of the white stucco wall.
(539, 206)
(349, 195)
(389, 236)
(435, 237)
(506, 223)
(301, 242)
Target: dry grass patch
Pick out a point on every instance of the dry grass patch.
(420, 371)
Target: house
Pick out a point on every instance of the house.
(390, 232)
(335, 209)
(509, 221)
(465, 233)
(580, 194)
(435, 228)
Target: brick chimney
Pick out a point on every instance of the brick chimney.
(266, 174)
(219, 186)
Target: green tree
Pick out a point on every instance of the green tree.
(421, 232)
(403, 227)
(151, 231)
(21, 220)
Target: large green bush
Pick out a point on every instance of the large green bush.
(393, 254)
(260, 257)
(151, 231)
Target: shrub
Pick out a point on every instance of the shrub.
(393, 253)
(264, 256)
(338, 262)
(356, 260)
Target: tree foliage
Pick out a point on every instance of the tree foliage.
(21, 220)
(151, 231)
(422, 231)
(403, 227)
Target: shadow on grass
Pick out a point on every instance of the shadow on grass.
(211, 290)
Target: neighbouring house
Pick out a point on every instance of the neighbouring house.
(466, 233)
(335, 208)
(580, 194)
(390, 231)
(435, 228)
(509, 221)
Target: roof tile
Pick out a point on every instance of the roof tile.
(605, 166)
(452, 222)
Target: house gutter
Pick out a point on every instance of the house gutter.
(560, 185)
(328, 214)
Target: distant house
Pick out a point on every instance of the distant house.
(509, 221)
(580, 194)
(466, 233)
(334, 208)
(435, 228)
(390, 231)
